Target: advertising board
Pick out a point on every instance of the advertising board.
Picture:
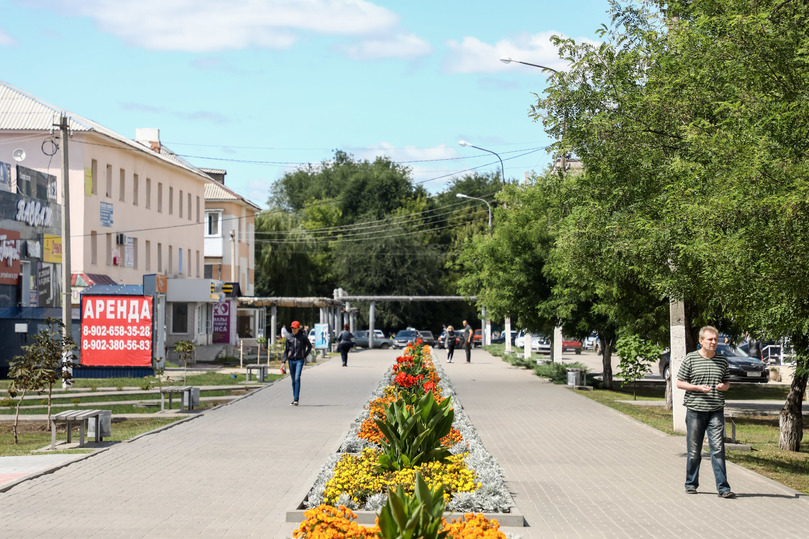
(116, 331)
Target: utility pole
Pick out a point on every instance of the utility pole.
(67, 298)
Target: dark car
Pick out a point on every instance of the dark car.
(743, 368)
(501, 339)
(427, 337)
(405, 337)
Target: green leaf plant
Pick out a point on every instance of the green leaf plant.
(416, 516)
(413, 432)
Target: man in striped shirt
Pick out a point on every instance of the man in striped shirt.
(704, 376)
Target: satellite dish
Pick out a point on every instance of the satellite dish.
(18, 154)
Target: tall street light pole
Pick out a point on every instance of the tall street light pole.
(508, 60)
(502, 168)
(487, 333)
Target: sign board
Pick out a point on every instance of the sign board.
(105, 213)
(221, 323)
(116, 331)
(321, 336)
(52, 251)
(9, 256)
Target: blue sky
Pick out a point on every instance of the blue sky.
(258, 87)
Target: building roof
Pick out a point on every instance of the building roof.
(21, 111)
(215, 192)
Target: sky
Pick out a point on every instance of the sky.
(262, 87)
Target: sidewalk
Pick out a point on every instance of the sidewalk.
(575, 468)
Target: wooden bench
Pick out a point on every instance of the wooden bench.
(172, 390)
(82, 417)
(262, 372)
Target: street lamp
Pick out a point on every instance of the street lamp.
(502, 168)
(508, 60)
(461, 195)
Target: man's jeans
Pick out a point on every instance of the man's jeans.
(295, 369)
(697, 424)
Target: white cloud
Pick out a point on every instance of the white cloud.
(433, 167)
(471, 55)
(214, 25)
(396, 46)
(6, 39)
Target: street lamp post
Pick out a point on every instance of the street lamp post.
(461, 195)
(487, 333)
(508, 60)
(502, 168)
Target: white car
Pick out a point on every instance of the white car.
(539, 343)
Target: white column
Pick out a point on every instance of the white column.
(371, 315)
(557, 344)
(527, 347)
(508, 334)
(678, 348)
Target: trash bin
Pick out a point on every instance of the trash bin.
(194, 398)
(575, 377)
(105, 422)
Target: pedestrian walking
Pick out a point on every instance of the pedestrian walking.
(344, 343)
(449, 341)
(704, 375)
(284, 332)
(296, 348)
(467, 342)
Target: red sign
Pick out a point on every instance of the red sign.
(116, 331)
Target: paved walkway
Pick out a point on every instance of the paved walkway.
(576, 468)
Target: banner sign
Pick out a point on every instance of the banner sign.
(9, 256)
(221, 323)
(116, 331)
(321, 336)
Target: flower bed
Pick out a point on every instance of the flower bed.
(368, 463)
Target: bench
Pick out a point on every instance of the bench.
(83, 417)
(261, 375)
(172, 390)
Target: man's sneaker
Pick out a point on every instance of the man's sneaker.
(690, 490)
(727, 494)
(295, 403)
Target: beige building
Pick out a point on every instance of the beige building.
(136, 208)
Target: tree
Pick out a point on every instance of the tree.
(692, 125)
(41, 365)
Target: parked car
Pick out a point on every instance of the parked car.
(539, 343)
(477, 337)
(380, 341)
(501, 339)
(571, 346)
(427, 337)
(590, 342)
(405, 337)
(743, 368)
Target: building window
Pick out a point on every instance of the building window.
(148, 193)
(170, 266)
(189, 206)
(159, 197)
(213, 223)
(94, 174)
(197, 264)
(109, 249)
(179, 317)
(148, 255)
(198, 219)
(109, 181)
(135, 190)
(122, 186)
(171, 200)
(159, 258)
(180, 260)
(180, 200)
(94, 247)
(135, 253)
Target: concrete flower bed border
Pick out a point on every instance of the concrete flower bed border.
(492, 499)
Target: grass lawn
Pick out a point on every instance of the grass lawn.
(35, 435)
(786, 467)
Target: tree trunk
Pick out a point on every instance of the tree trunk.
(606, 362)
(791, 418)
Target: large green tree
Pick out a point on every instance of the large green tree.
(691, 122)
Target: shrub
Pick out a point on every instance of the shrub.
(557, 372)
